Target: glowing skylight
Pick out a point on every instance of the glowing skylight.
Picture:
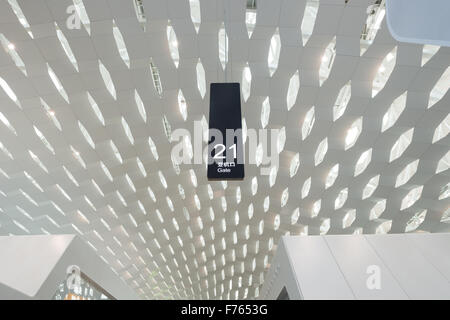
(201, 79)
(6, 151)
(250, 211)
(401, 145)
(309, 19)
(11, 50)
(295, 164)
(407, 173)
(20, 16)
(205, 129)
(308, 123)
(325, 226)
(342, 100)
(107, 79)
(428, 51)
(375, 15)
(442, 130)
(9, 92)
(284, 197)
(332, 176)
(181, 191)
(250, 17)
(51, 114)
(7, 124)
(182, 105)
(140, 105)
(86, 135)
(295, 216)
(445, 192)
(196, 16)
(141, 167)
(127, 130)
(363, 162)
(377, 209)
(443, 163)
(294, 86)
(223, 46)
(341, 199)
(120, 43)
(266, 204)
(259, 154)
(170, 204)
(353, 133)
(327, 61)
(238, 196)
(37, 161)
(197, 202)
(254, 186)
(393, 113)
(411, 197)
(156, 78)
(106, 171)
(96, 109)
(349, 218)
(140, 13)
(115, 151)
(440, 88)
(57, 83)
(82, 15)
(370, 187)
(281, 140)
(384, 72)
(274, 52)
(273, 176)
(416, 220)
(384, 227)
(76, 154)
(66, 47)
(44, 140)
(316, 208)
(167, 128)
(153, 149)
(194, 180)
(162, 179)
(33, 181)
(265, 112)
(246, 82)
(151, 194)
(321, 151)
(173, 45)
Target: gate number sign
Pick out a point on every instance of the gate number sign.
(225, 146)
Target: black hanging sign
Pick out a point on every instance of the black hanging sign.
(225, 146)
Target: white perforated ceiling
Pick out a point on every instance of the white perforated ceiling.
(85, 113)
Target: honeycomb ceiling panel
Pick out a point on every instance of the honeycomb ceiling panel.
(91, 91)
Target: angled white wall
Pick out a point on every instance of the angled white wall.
(32, 267)
(408, 266)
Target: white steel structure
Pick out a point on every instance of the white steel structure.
(92, 89)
